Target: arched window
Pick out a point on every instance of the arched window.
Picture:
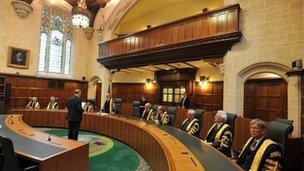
(55, 43)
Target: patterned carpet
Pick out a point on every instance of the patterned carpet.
(106, 154)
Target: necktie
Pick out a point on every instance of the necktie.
(253, 145)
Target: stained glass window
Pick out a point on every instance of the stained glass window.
(55, 43)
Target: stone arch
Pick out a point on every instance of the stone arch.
(94, 79)
(256, 68)
(117, 14)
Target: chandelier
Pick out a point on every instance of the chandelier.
(81, 15)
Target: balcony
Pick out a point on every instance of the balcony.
(202, 36)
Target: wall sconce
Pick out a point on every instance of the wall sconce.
(204, 82)
(149, 82)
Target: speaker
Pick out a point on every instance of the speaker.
(297, 64)
(83, 78)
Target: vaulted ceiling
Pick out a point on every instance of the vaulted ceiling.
(93, 6)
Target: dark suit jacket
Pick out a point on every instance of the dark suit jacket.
(186, 104)
(74, 109)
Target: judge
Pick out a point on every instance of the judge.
(185, 102)
(190, 124)
(88, 107)
(220, 134)
(161, 116)
(33, 104)
(148, 112)
(109, 106)
(259, 152)
(53, 105)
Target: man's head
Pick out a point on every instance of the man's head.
(77, 93)
(220, 117)
(34, 99)
(52, 99)
(143, 98)
(185, 94)
(148, 106)
(257, 128)
(190, 114)
(89, 102)
(160, 109)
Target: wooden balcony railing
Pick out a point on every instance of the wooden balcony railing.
(204, 35)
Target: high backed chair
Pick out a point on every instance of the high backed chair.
(11, 162)
(288, 122)
(172, 114)
(136, 109)
(198, 115)
(117, 103)
(154, 107)
(230, 120)
(278, 132)
(2, 108)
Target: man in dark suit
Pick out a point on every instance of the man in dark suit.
(185, 102)
(259, 152)
(74, 116)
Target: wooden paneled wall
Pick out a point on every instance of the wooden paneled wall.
(130, 92)
(265, 99)
(214, 22)
(209, 98)
(20, 88)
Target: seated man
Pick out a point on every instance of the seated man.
(148, 112)
(88, 107)
(161, 116)
(220, 134)
(190, 124)
(33, 104)
(259, 153)
(109, 106)
(53, 105)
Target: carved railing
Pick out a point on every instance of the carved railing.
(219, 26)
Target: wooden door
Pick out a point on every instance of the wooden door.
(265, 99)
(98, 95)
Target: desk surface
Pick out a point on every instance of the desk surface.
(182, 151)
(56, 153)
(26, 145)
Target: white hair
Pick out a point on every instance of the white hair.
(222, 114)
(191, 111)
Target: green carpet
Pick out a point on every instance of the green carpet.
(106, 154)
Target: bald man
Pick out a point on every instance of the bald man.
(190, 124)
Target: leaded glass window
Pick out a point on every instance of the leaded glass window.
(55, 43)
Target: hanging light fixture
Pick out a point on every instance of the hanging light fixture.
(81, 15)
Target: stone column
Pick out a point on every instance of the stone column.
(294, 104)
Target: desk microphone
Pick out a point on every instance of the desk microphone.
(49, 138)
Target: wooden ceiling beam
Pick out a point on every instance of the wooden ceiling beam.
(186, 63)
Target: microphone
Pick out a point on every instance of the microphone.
(49, 138)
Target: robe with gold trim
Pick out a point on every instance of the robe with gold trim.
(33, 105)
(109, 106)
(148, 114)
(221, 138)
(163, 118)
(52, 105)
(190, 126)
(266, 156)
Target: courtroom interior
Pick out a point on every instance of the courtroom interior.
(142, 85)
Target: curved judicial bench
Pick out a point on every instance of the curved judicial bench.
(50, 153)
(163, 147)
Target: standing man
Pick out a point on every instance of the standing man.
(109, 106)
(142, 104)
(185, 102)
(74, 116)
